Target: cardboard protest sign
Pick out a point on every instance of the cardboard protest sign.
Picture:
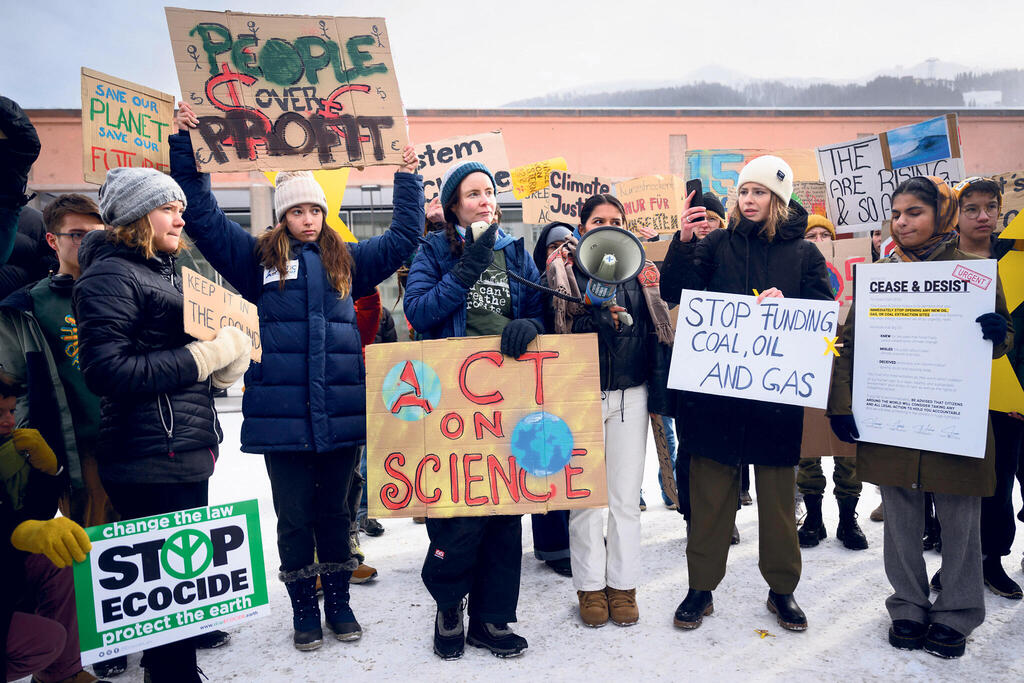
(1012, 185)
(861, 175)
(818, 439)
(720, 168)
(437, 157)
(780, 350)
(123, 124)
(1006, 394)
(456, 429)
(536, 176)
(209, 307)
(652, 201)
(563, 198)
(157, 580)
(286, 92)
(840, 258)
(811, 196)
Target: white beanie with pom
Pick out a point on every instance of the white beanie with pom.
(297, 187)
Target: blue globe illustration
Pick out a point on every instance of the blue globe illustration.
(542, 443)
(416, 386)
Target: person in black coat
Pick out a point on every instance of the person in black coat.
(763, 249)
(633, 360)
(158, 429)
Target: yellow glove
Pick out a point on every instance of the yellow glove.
(40, 455)
(59, 539)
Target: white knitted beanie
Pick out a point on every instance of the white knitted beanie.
(297, 187)
(772, 172)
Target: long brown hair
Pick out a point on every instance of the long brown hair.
(274, 249)
(777, 215)
(139, 235)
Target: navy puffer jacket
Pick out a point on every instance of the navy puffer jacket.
(435, 300)
(308, 393)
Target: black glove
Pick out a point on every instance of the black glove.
(476, 257)
(516, 336)
(993, 327)
(844, 427)
(18, 152)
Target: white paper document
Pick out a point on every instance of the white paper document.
(921, 369)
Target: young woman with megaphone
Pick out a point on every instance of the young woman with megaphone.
(762, 251)
(467, 280)
(607, 270)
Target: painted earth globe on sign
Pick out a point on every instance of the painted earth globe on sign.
(542, 443)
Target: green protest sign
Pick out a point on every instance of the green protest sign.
(156, 580)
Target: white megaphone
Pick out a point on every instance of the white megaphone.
(609, 256)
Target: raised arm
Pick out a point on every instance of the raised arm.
(688, 264)
(377, 258)
(229, 248)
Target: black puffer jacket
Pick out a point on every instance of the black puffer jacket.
(737, 261)
(31, 257)
(132, 350)
(630, 355)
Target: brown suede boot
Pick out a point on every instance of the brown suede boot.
(622, 606)
(593, 608)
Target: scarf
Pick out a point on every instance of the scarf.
(561, 278)
(946, 218)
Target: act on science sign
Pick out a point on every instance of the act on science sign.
(457, 429)
(156, 580)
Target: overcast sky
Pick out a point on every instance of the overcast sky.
(467, 53)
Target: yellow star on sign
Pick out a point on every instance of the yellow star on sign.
(831, 346)
(763, 633)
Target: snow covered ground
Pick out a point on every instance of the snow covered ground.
(841, 591)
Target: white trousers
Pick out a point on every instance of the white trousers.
(596, 564)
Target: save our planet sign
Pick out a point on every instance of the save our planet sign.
(455, 428)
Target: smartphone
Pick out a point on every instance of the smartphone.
(697, 188)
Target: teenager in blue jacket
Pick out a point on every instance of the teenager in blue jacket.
(459, 286)
(304, 406)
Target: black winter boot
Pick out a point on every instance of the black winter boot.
(498, 638)
(340, 618)
(996, 579)
(785, 609)
(849, 531)
(449, 633)
(813, 529)
(305, 614)
(692, 610)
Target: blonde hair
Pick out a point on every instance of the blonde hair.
(139, 235)
(777, 215)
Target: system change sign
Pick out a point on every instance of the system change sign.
(456, 429)
(161, 579)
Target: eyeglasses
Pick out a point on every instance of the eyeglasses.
(975, 211)
(76, 237)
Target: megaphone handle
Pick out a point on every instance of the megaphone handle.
(625, 319)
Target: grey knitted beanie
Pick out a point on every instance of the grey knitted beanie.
(128, 194)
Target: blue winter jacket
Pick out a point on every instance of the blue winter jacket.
(308, 393)
(435, 300)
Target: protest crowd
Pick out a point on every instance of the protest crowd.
(108, 409)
